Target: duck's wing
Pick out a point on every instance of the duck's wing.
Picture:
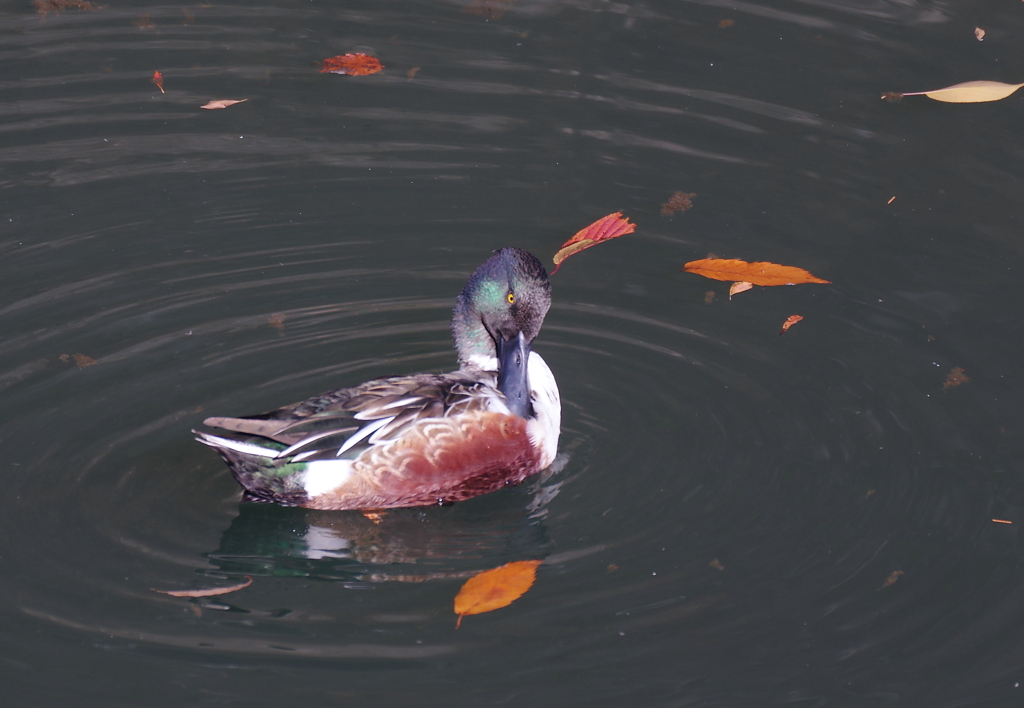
(343, 423)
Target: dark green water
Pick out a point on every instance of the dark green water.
(735, 519)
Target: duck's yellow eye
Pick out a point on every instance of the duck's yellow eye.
(511, 299)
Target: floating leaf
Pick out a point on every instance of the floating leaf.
(893, 576)
(761, 273)
(81, 360)
(790, 321)
(495, 588)
(969, 92)
(716, 565)
(158, 79)
(740, 287)
(1002, 521)
(44, 7)
(680, 201)
(357, 64)
(207, 592)
(979, 33)
(609, 227)
(222, 103)
(411, 74)
(955, 378)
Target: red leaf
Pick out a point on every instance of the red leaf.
(352, 64)
(611, 226)
(158, 79)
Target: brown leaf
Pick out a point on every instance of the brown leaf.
(969, 92)
(790, 321)
(1002, 521)
(726, 24)
(761, 273)
(489, 9)
(81, 360)
(893, 576)
(680, 201)
(158, 79)
(709, 297)
(357, 64)
(495, 588)
(411, 74)
(222, 103)
(955, 378)
(979, 33)
(207, 592)
(604, 229)
(143, 22)
(740, 287)
(46, 6)
(716, 565)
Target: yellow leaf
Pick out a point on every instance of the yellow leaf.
(970, 92)
(761, 273)
(495, 588)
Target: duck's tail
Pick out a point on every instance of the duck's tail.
(256, 467)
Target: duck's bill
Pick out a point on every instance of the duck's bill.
(513, 381)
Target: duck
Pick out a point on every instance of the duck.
(420, 439)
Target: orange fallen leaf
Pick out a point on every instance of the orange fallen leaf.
(81, 360)
(1002, 521)
(967, 92)
(790, 321)
(495, 588)
(891, 200)
(604, 229)
(726, 24)
(207, 592)
(979, 33)
(740, 287)
(761, 273)
(158, 79)
(357, 64)
(222, 103)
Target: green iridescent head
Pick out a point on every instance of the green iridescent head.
(506, 296)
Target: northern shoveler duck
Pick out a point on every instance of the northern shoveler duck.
(420, 439)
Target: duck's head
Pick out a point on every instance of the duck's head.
(497, 317)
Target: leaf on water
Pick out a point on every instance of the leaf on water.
(761, 273)
(489, 9)
(893, 576)
(222, 103)
(716, 565)
(979, 33)
(158, 80)
(207, 592)
(495, 588)
(81, 360)
(604, 229)
(411, 74)
(44, 7)
(143, 22)
(277, 322)
(790, 321)
(357, 64)
(969, 92)
(740, 287)
(726, 24)
(1002, 521)
(680, 201)
(955, 378)
(709, 297)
